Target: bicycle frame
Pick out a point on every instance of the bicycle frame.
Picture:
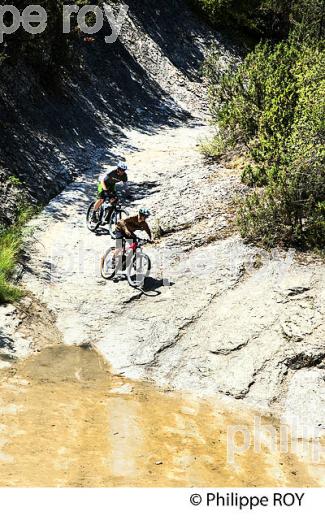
(109, 209)
(135, 246)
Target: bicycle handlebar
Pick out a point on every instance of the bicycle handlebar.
(139, 241)
(144, 241)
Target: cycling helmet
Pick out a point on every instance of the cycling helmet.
(144, 212)
(122, 166)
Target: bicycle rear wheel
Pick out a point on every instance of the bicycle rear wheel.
(138, 270)
(91, 224)
(115, 218)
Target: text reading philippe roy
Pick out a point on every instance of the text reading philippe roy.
(244, 501)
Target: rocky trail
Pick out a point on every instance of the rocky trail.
(225, 322)
(223, 317)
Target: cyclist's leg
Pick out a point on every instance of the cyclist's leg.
(119, 251)
(113, 200)
(120, 242)
(130, 252)
(101, 198)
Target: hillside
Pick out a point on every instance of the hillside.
(52, 127)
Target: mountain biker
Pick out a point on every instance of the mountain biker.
(126, 228)
(107, 186)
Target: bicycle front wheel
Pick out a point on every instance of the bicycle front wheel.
(115, 218)
(138, 270)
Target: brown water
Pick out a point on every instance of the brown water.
(66, 421)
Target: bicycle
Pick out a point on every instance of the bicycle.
(109, 214)
(134, 262)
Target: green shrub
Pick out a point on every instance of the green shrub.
(254, 103)
(268, 18)
(8, 293)
(10, 244)
(254, 175)
(214, 148)
(14, 181)
(10, 247)
(273, 104)
(3, 56)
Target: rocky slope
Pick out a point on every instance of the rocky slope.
(50, 133)
(224, 317)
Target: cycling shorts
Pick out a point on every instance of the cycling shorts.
(103, 195)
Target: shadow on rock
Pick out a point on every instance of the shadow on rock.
(153, 284)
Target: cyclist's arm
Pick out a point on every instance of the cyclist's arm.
(148, 231)
(126, 190)
(124, 228)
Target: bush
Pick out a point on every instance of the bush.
(273, 104)
(10, 247)
(254, 103)
(10, 244)
(267, 18)
(212, 149)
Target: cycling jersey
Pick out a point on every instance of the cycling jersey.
(112, 178)
(133, 224)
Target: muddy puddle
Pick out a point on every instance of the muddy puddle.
(66, 421)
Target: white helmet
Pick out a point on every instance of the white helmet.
(122, 166)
